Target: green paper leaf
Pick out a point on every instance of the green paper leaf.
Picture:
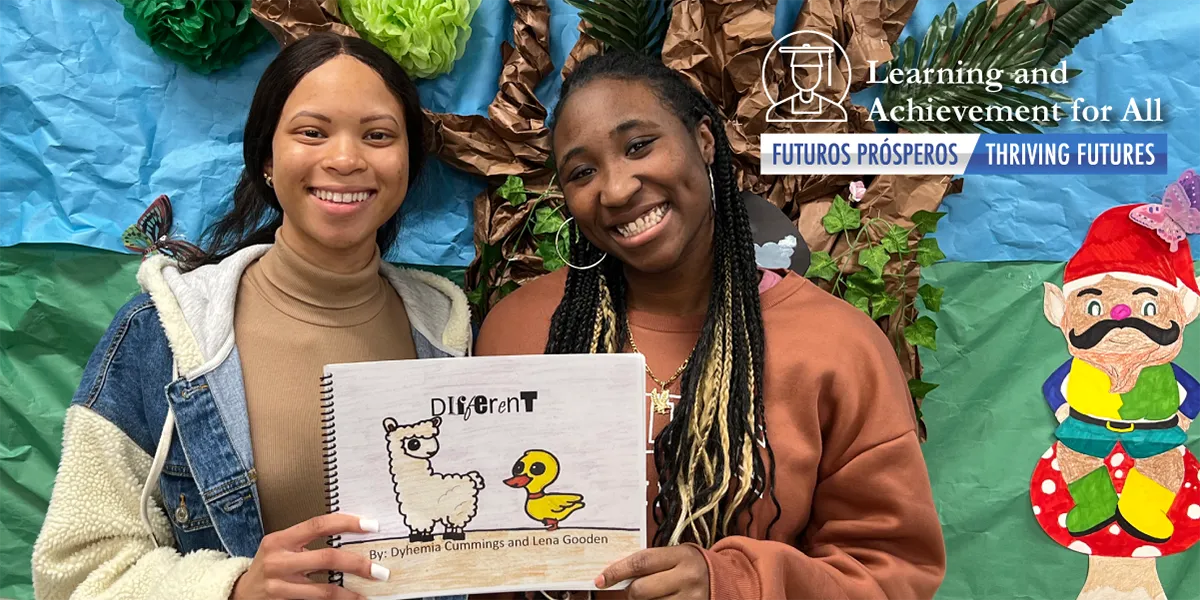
(564, 248)
(866, 281)
(926, 221)
(895, 240)
(874, 258)
(1074, 21)
(821, 265)
(513, 190)
(488, 257)
(841, 217)
(859, 299)
(492, 252)
(634, 26)
(928, 252)
(882, 307)
(931, 296)
(475, 296)
(985, 41)
(919, 389)
(550, 259)
(922, 332)
(508, 288)
(547, 220)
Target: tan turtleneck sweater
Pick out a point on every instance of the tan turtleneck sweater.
(292, 318)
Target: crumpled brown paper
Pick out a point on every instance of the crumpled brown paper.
(290, 20)
(721, 47)
(894, 198)
(511, 140)
(585, 46)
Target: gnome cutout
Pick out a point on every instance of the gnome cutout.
(1126, 298)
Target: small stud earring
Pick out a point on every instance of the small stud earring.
(270, 183)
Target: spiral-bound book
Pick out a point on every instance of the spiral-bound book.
(488, 474)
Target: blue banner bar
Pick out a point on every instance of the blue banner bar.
(1069, 154)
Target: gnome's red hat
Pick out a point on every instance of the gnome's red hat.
(1115, 245)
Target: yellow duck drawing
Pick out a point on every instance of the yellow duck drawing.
(535, 471)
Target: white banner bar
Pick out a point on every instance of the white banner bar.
(866, 153)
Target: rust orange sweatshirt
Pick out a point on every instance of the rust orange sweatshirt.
(858, 519)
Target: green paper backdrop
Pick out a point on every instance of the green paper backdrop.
(989, 425)
(55, 303)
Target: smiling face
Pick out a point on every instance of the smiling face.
(1123, 315)
(1120, 326)
(339, 167)
(635, 177)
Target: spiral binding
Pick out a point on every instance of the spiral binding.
(329, 455)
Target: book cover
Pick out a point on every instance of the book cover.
(488, 473)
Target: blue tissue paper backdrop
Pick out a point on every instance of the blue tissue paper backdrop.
(95, 125)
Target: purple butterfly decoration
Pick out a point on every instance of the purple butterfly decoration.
(1178, 215)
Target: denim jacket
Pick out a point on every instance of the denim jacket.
(161, 412)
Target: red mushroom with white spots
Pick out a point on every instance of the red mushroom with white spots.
(1120, 565)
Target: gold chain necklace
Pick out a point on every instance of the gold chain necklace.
(660, 397)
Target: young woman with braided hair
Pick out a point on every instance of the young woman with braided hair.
(785, 457)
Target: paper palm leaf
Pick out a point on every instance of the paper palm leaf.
(633, 25)
(1075, 20)
(1017, 42)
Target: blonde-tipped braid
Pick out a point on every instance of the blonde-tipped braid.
(711, 410)
(606, 322)
(708, 522)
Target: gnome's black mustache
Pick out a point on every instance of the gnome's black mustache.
(1091, 337)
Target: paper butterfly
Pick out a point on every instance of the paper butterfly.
(1179, 213)
(152, 233)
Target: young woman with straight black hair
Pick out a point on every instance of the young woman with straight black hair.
(192, 463)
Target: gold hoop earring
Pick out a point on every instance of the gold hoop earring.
(558, 236)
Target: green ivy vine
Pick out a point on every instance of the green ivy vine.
(542, 226)
(867, 288)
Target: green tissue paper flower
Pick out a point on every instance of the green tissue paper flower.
(204, 35)
(424, 36)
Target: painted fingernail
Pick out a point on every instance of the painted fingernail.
(370, 525)
(379, 573)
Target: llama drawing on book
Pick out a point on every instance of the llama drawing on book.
(426, 497)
